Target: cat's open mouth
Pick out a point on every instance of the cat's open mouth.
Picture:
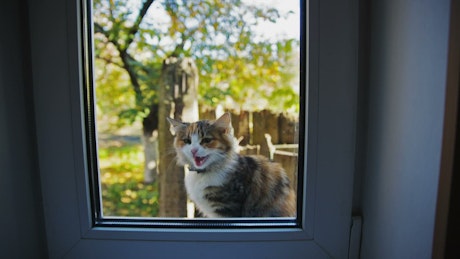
(199, 160)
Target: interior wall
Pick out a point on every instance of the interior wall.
(21, 218)
(408, 59)
(452, 244)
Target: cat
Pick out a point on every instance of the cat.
(223, 183)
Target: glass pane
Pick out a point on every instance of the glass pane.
(206, 91)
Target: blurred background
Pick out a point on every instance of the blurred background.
(189, 60)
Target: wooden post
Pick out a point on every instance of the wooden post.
(264, 122)
(288, 126)
(241, 124)
(288, 135)
(177, 99)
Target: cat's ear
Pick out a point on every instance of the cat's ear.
(175, 123)
(224, 122)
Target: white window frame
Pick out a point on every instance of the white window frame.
(55, 27)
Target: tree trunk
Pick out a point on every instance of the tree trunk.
(178, 99)
(150, 143)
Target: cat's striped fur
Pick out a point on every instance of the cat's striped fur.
(223, 183)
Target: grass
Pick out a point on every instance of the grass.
(123, 191)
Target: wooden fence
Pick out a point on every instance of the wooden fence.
(266, 133)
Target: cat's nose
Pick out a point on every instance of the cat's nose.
(194, 151)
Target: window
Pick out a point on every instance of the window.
(56, 40)
(239, 56)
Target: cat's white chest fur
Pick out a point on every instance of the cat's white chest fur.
(196, 183)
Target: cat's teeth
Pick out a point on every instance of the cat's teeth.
(199, 161)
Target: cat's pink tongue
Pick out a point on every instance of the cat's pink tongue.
(199, 161)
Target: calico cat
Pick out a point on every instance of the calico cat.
(223, 183)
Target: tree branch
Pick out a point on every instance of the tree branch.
(127, 60)
(109, 61)
(98, 29)
(135, 28)
(127, 65)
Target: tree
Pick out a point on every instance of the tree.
(115, 32)
(132, 41)
(179, 91)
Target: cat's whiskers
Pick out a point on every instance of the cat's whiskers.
(222, 161)
(171, 163)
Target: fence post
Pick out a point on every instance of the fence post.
(240, 123)
(264, 122)
(178, 99)
(288, 127)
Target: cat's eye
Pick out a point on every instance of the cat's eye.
(206, 140)
(187, 141)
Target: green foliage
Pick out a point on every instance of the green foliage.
(123, 190)
(238, 68)
(263, 79)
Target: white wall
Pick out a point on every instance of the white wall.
(408, 58)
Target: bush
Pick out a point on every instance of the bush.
(123, 191)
